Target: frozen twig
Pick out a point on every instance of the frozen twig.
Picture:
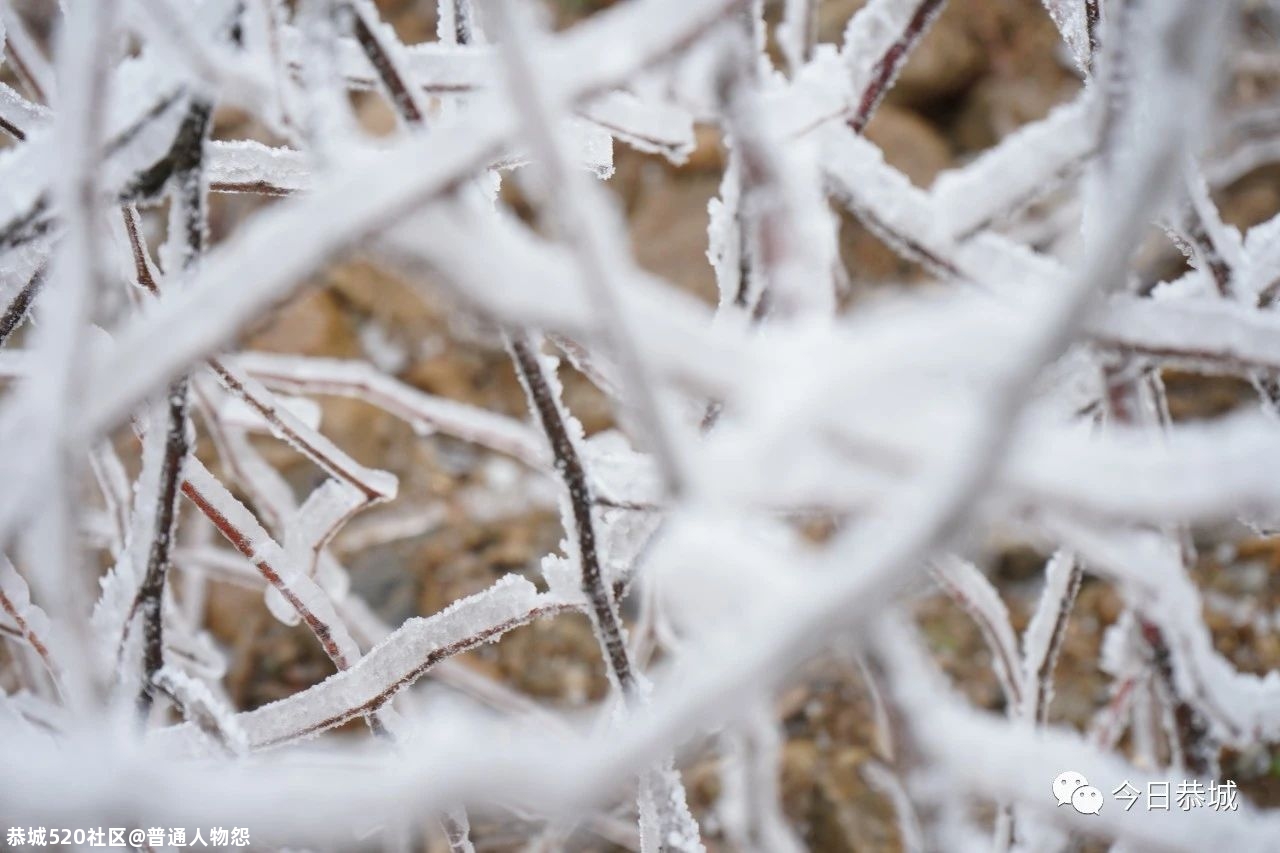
(177, 445)
(661, 789)
(969, 588)
(586, 220)
(1045, 634)
(188, 224)
(22, 52)
(30, 623)
(909, 20)
(547, 408)
(359, 201)
(18, 309)
(380, 45)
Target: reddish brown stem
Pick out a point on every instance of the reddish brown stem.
(150, 599)
(568, 463)
(20, 308)
(26, 633)
(340, 468)
(187, 157)
(887, 68)
(396, 87)
(241, 543)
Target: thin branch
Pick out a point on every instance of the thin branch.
(971, 590)
(151, 591)
(29, 621)
(545, 405)
(799, 32)
(886, 69)
(19, 309)
(242, 531)
(586, 220)
(199, 707)
(1190, 739)
(1194, 740)
(369, 684)
(18, 116)
(1046, 632)
(1093, 29)
(662, 798)
(190, 215)
(1203, 237)
(26, 58)
(371, 484)
(380, 45)
(464, 24)
(424, 412)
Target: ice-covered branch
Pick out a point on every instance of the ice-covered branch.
(424, 412)
(395, 663)
(903, 23)
(368, 198)
(586, 220)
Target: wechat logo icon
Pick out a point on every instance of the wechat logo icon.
(1071, 788)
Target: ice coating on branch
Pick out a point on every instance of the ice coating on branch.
(380, 43)
(877, 42)
(905, 217)
(724, 238)
(238, 414)
(113, 613)
(1069, 17)
(424, 412)
(283, 573)
(21, 47)
(18, 113)
(207, 712)
(624, 484)
(1261, 266)
(822, 91)
(247, 163)
(393, 664)
(1022, 167)
(1041, 641)
(975, 594)
(325, 510)
(1234, 702)
(32, 718)
(871, 32)
(656, 128)
(285, 425)
(591, 143)
(794, 31)
(28, 621)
